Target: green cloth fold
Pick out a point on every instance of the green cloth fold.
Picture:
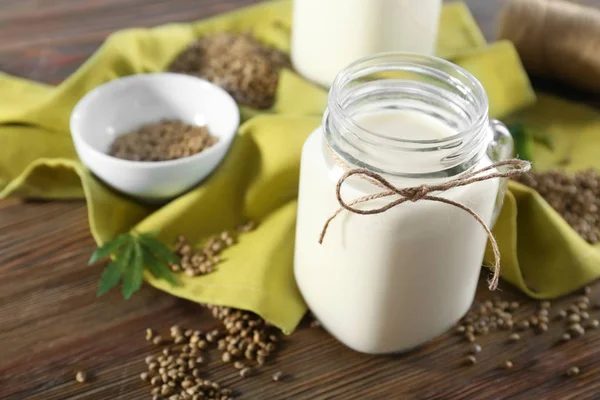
(259, 176)
(541, 254)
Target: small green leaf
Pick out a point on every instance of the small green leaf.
(126, 253)
(134, 272)
(110, 277)
(132, 252)
(542, 137)
(108, 248)
(159, 269)
(152, 264)
(157, 248)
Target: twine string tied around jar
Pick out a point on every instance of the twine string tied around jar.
(514, 167)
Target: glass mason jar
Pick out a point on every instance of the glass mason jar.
(388, 282)
(328, 35)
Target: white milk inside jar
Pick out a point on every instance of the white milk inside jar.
(391, 281)
(327, 35)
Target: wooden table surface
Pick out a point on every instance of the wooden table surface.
(51, 322)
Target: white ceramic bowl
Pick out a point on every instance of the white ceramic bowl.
(125, 104)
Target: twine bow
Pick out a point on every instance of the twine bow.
(423, 192)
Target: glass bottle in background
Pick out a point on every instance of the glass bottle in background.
(327, 35)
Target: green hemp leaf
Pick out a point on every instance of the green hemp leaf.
(131, 253)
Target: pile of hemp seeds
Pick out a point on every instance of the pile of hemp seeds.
(162, 141)
(179, 367)
(244, 67)
(177, 371)
(244, 340)
(576, 197)
(497, 315)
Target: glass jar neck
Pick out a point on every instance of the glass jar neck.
(392, 82)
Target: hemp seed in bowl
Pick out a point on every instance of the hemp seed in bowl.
(162, 141)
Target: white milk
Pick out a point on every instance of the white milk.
(388, 282)
(327, 35)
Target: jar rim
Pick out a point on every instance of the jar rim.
(412, 82)
(412, 60)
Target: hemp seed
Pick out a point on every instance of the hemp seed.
(576, 330)
(584, 315)
(574, 318)
(157, 340)
(239, 365)
(545, 305)
(573, 309)
(470, 360)
(81, 376)
(475, 348)
(277, 376)
(226, 357)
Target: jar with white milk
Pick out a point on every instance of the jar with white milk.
(391, 280)
(327, 35)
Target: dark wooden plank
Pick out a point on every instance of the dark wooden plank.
(51, 322)
(47, 40)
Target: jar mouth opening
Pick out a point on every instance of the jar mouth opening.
(431, 66)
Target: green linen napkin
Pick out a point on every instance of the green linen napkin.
(541, 254)
(258, 178)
